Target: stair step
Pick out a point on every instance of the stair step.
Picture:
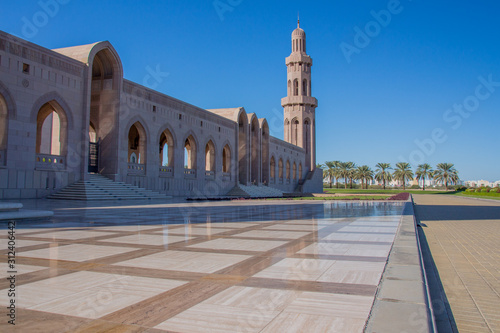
(98, 187)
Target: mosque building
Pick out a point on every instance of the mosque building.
(68, 114)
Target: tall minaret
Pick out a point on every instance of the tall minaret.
(299, 105)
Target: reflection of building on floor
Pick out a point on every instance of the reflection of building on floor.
(69, 112)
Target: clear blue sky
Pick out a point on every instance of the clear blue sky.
(395, 90)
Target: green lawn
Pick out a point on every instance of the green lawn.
(388, 191)
(346, 197)
(495, 196)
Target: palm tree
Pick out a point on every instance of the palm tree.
(330, 170)
(382, 174)
(424, 171)
(364, 173)
(344, 171)
(445, 173)
(403, 173)
(351, 166)
(337, 172)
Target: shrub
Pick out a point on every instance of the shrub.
(478, 190)
(460, 188)
(400, 196)
(498, 189)
(485, 190)
(376, 187)
(470, 190)
(415, 187)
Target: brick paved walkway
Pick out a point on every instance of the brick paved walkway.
(464, 239)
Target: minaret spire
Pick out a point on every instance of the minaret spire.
(298, 19)
(299, 105)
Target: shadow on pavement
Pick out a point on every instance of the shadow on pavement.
(457, 213)
(445, 321)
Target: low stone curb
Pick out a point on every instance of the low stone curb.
(402, 303)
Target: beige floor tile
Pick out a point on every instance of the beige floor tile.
(305, 323)
(20, 269)
(369, 229)
(186, 261)
(147, 239)
(294, 227)
(296, 269)
(326, 249)
(128, 228)
(193, 231)
(254, 298)
(335, 305)
(235, 225)
(72, 234)
(40, 292)
(239, 244)
(204, 318)
(272, 234)
(99, 301)
(75, 252)
(350, 276)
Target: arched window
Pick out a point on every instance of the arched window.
(307, 131)
(273, 167)
(190, 153)
(304, 88)
(48, 140)
(294, 171)
(287, 130)
(166, 149)
(3, 124)
(287, 169)
(92, 133)
(289, 87)
(300, 171)
(226, 159)
(280, 168)
(210, 156)
(137, 143)
(295, 131)
(296, 87)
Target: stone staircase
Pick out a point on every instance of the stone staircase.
(98, 187)
(303, 181)
(10, 211)
(253, 191)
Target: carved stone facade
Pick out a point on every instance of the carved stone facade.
(67, 112)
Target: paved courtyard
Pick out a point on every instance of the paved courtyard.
(464, 239)
(219, 267)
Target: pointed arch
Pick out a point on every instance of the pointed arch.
(10, 102)
(254, 148)
(280, 168)
(294, 171)
(294, 129)
(304, 87)
(58, 103)
(190, 152)
(52, 124)
(167, 144)
(307, 136)
(264, 143)
(296, 87)
(273, 167)
(210, 156)
(226, 159)
(243, 147)
(287, 169)
(137, 139)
